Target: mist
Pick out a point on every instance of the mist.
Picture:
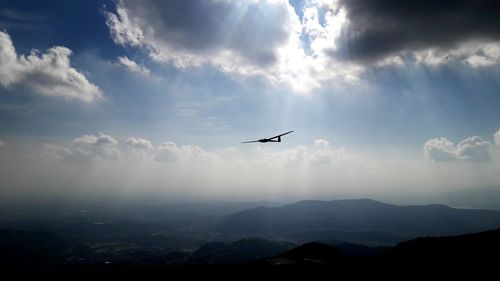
(105, 169)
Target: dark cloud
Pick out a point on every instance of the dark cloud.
(380, 28)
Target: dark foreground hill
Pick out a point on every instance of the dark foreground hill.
(28, 248)
(469, 255)
(31, 247)
(217, 253)
(483, 245)
(357, 221)
(240, 251)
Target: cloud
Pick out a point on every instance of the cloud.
(90, 146)
(69, 154)
(439, 149)
(191, 32)
(102, 145)
(319, 153)
(324, 154)
(100, 140)
(322, 143)
(329, 44)
(473, 149)
(295, 157)
(473, 54)
(469, 31)
(313, 170)
(497, 137)
(47, 74)
(133, 66)
(138, 143)
(243, 38)
(167, 152)
(2, 144)
(170, 152)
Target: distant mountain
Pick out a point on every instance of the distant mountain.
(483, 198)
(357, 221)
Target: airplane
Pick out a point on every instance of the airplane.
(270, 139)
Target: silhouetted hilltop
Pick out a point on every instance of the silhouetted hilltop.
(470, 255)
(38, 254)
(483, 245)
(374, 221)
(310, 252)
(31, 247)
(238, 252)
(356, 250)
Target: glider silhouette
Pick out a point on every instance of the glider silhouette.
(273, 139)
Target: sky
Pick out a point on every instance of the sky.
(122, 99)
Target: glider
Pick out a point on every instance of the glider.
(273, 139)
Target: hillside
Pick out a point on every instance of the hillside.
(357, 221)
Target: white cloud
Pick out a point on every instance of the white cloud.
(108, 152)
(86, 139)
(133, 66)
(123, 30)
(47, 74)
(167, 152)
(314, 170)
(2, 144)
(473, 149)
(321, 143)
(439, 149)
(497, 137)
(88, 147)
(268, 39)
(296, 157)
(220, 31)
(102, 145)
(100, 140)
(248, 38)
(70, 154)
(320, 153)
(170, 152)
(324, 153)
(473, 54)
(138, 143)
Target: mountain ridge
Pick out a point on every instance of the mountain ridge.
(358, 216)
